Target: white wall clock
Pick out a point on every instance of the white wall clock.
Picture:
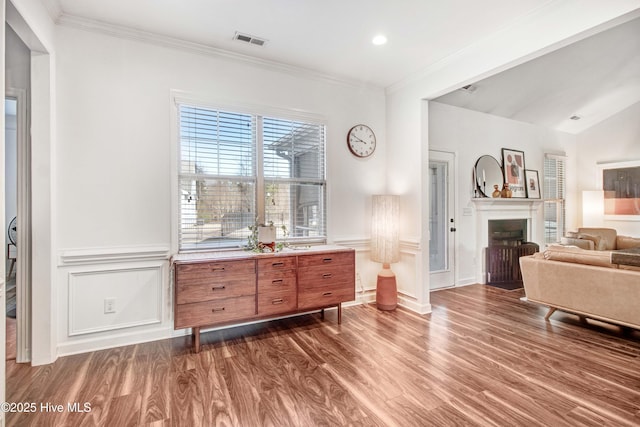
(361, 141)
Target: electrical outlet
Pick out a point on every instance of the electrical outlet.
(109, 305)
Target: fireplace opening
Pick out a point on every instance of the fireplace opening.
(507, 232)
(507, 241)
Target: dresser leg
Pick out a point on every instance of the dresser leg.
(196, 337)
(339, 313)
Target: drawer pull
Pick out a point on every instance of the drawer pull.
(327, 259)
(327, 276)
(213, 310)
(327, 294)
(217, 269)
(277, 264)
(218, 288)
(277, 301)
(277, 282)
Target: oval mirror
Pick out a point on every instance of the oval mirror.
(488, 174)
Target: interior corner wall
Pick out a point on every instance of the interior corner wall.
(471, 134)
(616, 139)
(114, 151)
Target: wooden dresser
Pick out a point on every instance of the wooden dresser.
(223, 288)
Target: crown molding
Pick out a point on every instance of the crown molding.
(54, 9)
(129, 33)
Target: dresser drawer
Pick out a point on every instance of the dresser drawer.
(277, 302)
(315, 277)
(276, 282)
(274, 264)
(206, 288)
(212, 312)
(325, 297)
(214, 269)
(329, 259)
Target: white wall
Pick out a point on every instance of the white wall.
(617, 139)
(114, 167)
(471, 134)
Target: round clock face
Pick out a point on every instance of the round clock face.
(361, 140)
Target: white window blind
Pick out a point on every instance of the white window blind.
(294, 171)
(554, 198)
(236, 169)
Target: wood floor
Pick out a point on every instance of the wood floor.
(483, 357)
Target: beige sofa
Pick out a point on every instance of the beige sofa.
(601, 239)
(584, 282)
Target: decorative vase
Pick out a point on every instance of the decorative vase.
(496, 191)
(506, 192)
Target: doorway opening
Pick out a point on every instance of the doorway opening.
(17, 242)
(441, 220)
(11, 201)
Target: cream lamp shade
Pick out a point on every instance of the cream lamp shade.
(385, 246)
(592, 208)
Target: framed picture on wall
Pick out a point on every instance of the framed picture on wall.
(533, 183)
(620, 183)
(513, 170)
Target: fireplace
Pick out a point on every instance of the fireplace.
(506, 244)
(487, 209)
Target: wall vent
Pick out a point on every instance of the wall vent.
(247, 38)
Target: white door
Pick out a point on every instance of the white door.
(442, 225)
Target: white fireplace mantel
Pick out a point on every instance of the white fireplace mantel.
(487, 209)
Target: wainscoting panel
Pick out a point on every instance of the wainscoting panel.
(115, 297)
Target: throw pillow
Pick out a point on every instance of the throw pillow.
(595, 239)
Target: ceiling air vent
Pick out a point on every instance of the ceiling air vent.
(469, 88)
(249, 39)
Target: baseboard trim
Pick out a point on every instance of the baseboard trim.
(113, 340)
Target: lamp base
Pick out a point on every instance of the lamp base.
(386, 289)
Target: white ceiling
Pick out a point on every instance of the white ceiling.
(328, 36)
(594, 79)
(333, 37)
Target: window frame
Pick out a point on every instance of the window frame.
(178, 99)
(557, 204)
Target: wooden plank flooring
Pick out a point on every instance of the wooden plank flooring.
(483, 357)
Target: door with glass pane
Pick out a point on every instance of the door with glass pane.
(441, 220)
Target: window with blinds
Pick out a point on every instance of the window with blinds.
(238, 169)
(554, 198)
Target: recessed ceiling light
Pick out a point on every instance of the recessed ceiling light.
(379, 40)
(575, 117)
